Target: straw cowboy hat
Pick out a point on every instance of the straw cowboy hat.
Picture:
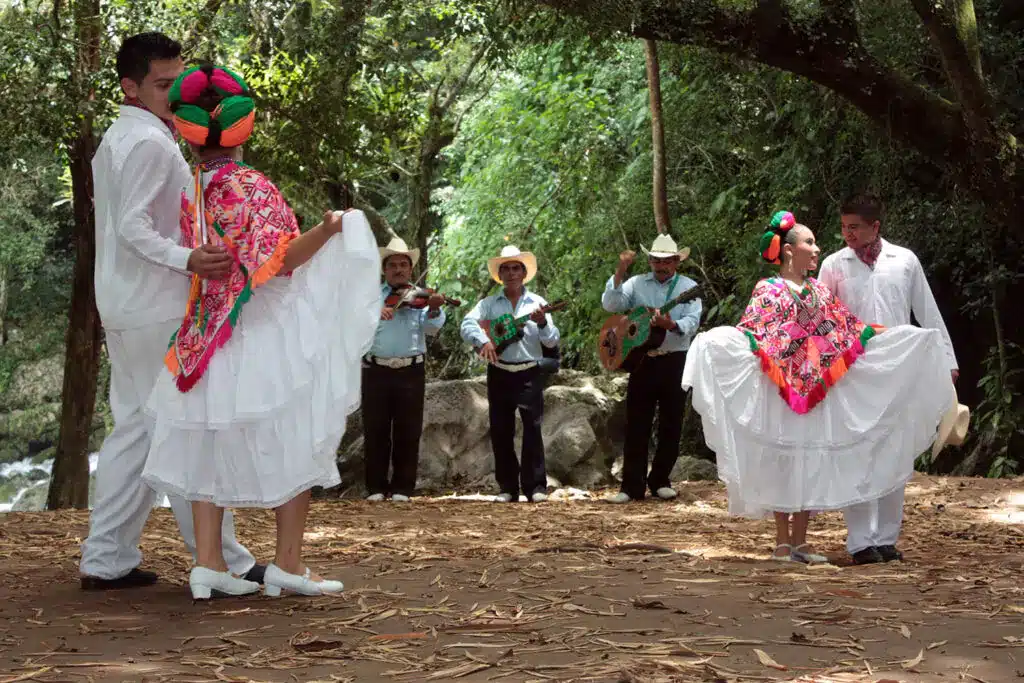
(953, 428)
(665, 247)
(511, 253)
(398, 246)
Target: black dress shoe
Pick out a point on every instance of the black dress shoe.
(256, 573)
(869, 555)
(136, 578)
(889, 553)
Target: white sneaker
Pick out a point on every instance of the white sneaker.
(503, 498)
(666, 493)
(399, 498)
(276, 580)
(375, 498)
(539, 497)
(619, 498)
(204, 582)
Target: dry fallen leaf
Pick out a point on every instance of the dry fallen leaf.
(640, 602)
(905, 631)
(766, 660)
(932, 646)
(911, 663)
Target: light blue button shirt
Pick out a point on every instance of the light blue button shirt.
(526, 349)
(405, 334)
(645, 290)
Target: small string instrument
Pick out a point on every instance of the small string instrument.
(412, 296)
(626, 338)
(505, 329)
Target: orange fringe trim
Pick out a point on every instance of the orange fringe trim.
(272, 266)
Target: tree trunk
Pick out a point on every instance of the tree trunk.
(3, 303)
(420, 217)
(69, 485)
(660, 190)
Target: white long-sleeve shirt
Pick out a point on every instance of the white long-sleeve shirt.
(887, 294)
(138, 174)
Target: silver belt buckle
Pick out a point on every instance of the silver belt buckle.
(395, 363)
(515, 367)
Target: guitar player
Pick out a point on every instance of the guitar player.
(515, 379)
(656, 383)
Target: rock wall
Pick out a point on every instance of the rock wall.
(584, 429)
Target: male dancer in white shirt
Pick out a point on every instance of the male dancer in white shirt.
(880, 283)
(142, 283)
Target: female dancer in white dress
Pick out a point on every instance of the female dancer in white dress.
(808, 408)
(266, 364)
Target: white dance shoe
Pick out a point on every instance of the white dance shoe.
(276, 580)
(205, 582)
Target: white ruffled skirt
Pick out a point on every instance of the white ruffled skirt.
(858, 444)
(264, 422)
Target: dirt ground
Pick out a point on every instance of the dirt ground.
(442, 589)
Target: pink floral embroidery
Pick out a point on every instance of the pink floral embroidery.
(245, 213)
(804, 349)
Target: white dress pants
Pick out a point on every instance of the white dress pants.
(122, 501)
(874, 523)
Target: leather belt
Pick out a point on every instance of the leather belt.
(394, 363)
(515, 367)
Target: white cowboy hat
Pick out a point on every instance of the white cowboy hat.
(953, 428)
(665, 247)
(398, 246)
(511, 253)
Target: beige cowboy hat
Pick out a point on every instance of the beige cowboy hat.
(511, 253)
(665, 247)
(398, 246)
(953, 428)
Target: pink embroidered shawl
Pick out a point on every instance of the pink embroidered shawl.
(245, 213)
(805, 349)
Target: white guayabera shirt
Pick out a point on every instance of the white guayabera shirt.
(887, 294)
(138, 175)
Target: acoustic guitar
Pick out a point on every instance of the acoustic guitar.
(505, 330)
(626, 338)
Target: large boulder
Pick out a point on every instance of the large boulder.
(35, 383)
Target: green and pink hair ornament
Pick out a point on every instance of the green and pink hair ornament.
(772, 239)
(212, 106)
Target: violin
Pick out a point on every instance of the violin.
(411, 296)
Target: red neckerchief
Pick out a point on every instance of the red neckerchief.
(869, 252)
(137, 103)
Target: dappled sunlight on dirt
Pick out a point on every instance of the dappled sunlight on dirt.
(468, 590)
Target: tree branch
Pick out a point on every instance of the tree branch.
(456, 89)
(825, 49)
(382, 230)
(953, 27)
(204, 20)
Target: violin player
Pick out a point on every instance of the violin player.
(394, 378)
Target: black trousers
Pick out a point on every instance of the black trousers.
(392, 401)
(508, 392)
(655, 384)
